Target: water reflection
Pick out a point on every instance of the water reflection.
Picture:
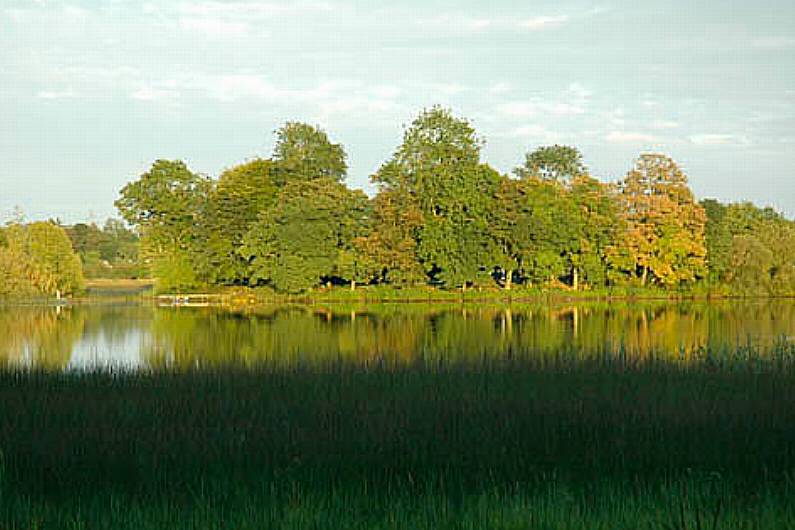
(136, 336)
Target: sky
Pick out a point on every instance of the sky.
(92, 92)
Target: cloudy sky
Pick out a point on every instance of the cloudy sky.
(91, 92)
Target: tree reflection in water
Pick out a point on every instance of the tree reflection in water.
(139, 335)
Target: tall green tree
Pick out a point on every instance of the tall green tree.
(308, 237)
(304, 152)
(559, 163)
(241, 194)
(751, 250)
(559, 222)
(718, 240)
(437, 172)
(597, 226)
(536, 225)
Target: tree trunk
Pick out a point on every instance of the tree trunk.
(353, 285)
(508, 279)
(644, 276)
(575, 283)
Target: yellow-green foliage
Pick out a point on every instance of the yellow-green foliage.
(37, 258)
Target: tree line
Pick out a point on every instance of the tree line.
(443, 217)
(109, 251)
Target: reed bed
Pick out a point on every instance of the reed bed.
(560, 443)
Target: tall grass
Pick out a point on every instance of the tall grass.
(603, 443)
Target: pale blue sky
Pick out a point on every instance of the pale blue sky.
(91, 92)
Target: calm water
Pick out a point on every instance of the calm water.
(144, 336)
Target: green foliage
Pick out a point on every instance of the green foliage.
(107, 252)
(16, 274)
(441, 217)
(390, 247)
(167, 205)
(308, 236)
(37, 258)
(751, 250)
(304, 152)
(241, 194)
(718, 240)
(436, 173)
(559, 163)
(552, 233)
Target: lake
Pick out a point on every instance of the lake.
(142, 335)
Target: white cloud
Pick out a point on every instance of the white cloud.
(251, 9)
(570, 102)
(531, 132)
(455, 23)
(154, 93)
(529, 109)
(664, 124)
(616, 117)
(216, 27)
(500, 88)
(474, 24)
(355, 109)
(16, 15)
(563, 109)
(479, 23)
(543, 22)
(578, 92)
(56, 94)
(623, 137)
(442, 89)
(386, 91)
(518, 109)
(75, 11)
(236, 86)
(528, 130)
(717, 139)
(774, 42)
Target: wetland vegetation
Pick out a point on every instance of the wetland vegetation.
(553, 443)
(634, 415)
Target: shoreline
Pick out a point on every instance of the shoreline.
(100, 289)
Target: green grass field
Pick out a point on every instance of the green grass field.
(564, 444)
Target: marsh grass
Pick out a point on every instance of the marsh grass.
(557, 443)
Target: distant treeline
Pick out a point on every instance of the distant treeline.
(107, 252)
(442, 217)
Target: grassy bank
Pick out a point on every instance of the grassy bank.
(516, 445)
(374, 294)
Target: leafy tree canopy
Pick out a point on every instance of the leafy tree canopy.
(559, 163)
(304, 152)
